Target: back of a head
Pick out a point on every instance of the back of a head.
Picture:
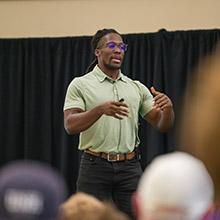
(30, 190)
(200, 126)
(82, 206)
(110, 212)
(175, 186)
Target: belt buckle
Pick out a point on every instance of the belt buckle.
(113, 155)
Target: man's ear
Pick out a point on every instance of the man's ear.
(97, 52)
(135, 204)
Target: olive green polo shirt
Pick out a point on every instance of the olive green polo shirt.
(109, 134)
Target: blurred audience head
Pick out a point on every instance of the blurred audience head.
(82, 206)
(112, 213)
(175, 186)
(200, 124)
(30, 190)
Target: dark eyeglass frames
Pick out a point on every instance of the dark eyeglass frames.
(122, 46)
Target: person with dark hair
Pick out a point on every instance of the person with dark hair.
(31, 190)
(95, 40)
(103, 106)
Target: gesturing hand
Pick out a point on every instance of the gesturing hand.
(161, 101)
(115, 109)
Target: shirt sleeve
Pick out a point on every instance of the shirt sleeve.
(147, 100)
(74, 97)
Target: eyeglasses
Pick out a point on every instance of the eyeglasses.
(122, 46)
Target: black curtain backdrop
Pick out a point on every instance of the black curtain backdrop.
(35, 73)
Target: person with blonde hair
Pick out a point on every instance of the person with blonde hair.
(200, 125)
(82, 206)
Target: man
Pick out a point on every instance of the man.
(103, 106)
(175, 186)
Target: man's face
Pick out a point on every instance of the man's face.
(110, 51)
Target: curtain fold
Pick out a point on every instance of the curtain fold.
(35, 73)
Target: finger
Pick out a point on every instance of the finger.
(157, 107)
(123, 109)
(121, 104)
(160, 98)
(119, 109)
(153, 91)
(163, 104)
(123, 114)
(160, 104)
(117, 116)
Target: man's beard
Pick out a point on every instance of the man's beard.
(113, 66)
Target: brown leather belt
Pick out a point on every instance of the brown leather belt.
(113, 156)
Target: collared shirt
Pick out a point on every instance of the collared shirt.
(109, 134)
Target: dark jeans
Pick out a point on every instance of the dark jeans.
(109, 181)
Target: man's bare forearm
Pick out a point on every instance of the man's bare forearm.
(166, 119)
(76, 121)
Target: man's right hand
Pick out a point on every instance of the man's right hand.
(115, 109)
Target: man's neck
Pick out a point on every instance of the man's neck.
(112, 73)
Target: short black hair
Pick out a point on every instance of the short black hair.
(95, 41)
